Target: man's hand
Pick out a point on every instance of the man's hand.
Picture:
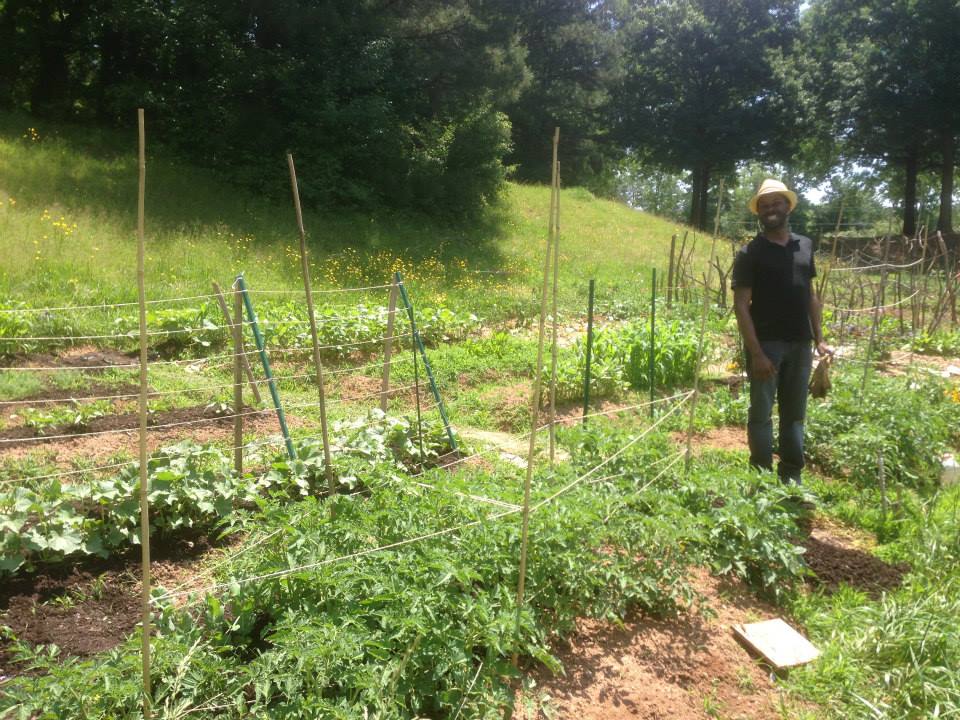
(761, 367)
(824, 350)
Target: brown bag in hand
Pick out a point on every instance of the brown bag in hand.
(820, 381)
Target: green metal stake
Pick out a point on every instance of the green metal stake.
(653, 336)
(426, 363)
(586, 373)
(265, 361)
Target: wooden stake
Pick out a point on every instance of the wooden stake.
(673, 248)
(305, 268)
(553, 343)
(535, 401)
(222, 302)
(586, 372)
(883, 485)
(873, 329)
(703, 331)
(388, 348)
(237, 380)
(653, 337)
(144, 502)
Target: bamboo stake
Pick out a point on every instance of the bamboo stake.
(416, 388)
(553, 342)
(679, 277)
(388, 349)
(237, 380)
(535, 401)
(833, 252)
(873, 329)
(144, 501)
(586, 372)
(883, 486)
(653, 337)
(305, 268)
(222, 302)
(673, 248)
(703, 331)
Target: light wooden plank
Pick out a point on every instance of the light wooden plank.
(777, 642)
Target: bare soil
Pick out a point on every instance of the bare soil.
(91, 606)
(90, 391)
(64, 451)
(511, 405)
(690, 666)
(839, 556)
(79, 357)
(719, 438)
(351, 388)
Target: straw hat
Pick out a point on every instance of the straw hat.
(771, 187)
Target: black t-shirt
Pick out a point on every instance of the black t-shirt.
(780, 276)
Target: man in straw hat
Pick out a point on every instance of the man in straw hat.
(778, 314)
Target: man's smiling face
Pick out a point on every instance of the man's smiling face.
(773, 210)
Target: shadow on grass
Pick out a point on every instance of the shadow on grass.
(79, 167)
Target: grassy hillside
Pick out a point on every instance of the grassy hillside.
(68, 218)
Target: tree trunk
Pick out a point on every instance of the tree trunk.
(695, 196)
(698, 204)
(910, 193)
(948, 146)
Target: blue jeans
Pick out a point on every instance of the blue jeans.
(789, 387)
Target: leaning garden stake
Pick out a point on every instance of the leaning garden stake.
(305, 267)
(418, 342)
(241, 285)
(535, 400)
(144, 501)
(221, 301)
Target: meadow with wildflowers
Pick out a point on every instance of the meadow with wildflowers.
(68, 218)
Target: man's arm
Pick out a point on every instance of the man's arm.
(760, 365)
(816, 324)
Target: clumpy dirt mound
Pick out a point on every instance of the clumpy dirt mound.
(837, 559)
(510, 405)
(718, 438)
(352, 388)
(79, 625)
(91, 391)
(79, 357)
(126, 422)
(98, 448)
(672, 669)
(90, 606)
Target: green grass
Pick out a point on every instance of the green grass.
(68, 221)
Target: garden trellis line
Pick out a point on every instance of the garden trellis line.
(429, 536)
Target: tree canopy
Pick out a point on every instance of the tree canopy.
(432, 104)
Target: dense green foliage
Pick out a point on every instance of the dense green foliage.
(909, 426)
(702, 89)
(427, 628)
(381, 103)
(620, 359)
(430, 104)
(882, 86)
